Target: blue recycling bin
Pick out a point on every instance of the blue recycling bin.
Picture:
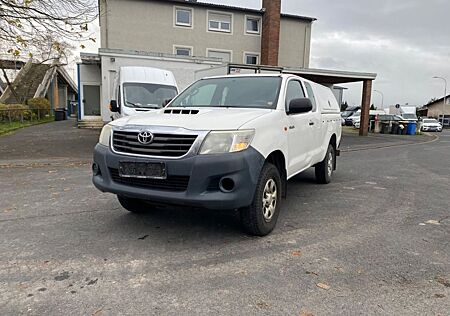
(412, 128)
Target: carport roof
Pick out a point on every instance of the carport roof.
(325, 76)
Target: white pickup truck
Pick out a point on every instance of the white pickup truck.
(229, 142)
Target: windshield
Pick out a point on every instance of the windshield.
(409, 116)
(146, 95)
(234, 92)
(430, 121)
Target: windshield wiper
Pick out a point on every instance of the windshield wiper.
(133, 104)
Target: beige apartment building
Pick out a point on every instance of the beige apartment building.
(191, 28)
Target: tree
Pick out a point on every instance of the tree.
(344, 106)
(44, 30)
(372, 107)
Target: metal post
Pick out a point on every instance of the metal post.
(445, 98)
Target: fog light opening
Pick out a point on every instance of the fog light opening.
(226, 185)
(95, 169)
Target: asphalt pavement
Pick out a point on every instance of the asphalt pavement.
(373, 242)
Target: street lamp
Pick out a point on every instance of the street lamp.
(445, 97)
(382, 97)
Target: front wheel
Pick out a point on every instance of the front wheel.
(260, 218)
(133, 205)
(324, 169)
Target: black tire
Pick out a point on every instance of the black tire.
(324, 169)
(133, 205)
(255, 218)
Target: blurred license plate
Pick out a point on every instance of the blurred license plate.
(142, 170)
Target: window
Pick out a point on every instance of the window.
(293, 91)
(223, 55)
(183, 17)
(182, 51)
(251, 59)
(311, 95)
(219, 22)
(253, 25)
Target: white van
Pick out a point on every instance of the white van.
(141, 89)
(229, 142)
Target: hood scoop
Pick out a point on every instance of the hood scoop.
(180, 111)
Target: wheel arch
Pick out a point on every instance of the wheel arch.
(278, 159)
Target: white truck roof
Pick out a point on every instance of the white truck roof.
(147, 75)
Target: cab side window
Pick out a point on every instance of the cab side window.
(311, 96)
(294, 91)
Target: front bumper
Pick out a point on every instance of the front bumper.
(202, 171)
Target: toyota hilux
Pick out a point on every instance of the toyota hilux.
(228, 143)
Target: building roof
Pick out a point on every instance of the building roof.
(234, 8)
(447, 98)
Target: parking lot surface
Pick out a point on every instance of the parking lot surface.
(374, 241)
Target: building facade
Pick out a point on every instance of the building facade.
(436, 108)
(191, 28)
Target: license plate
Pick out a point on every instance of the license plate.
(143, 170)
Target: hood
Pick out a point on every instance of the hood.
(432, 124)
(196, 118)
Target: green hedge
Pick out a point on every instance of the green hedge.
(41, 105)
(15, 112)
(36, 108)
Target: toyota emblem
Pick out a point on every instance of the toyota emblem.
(145, 137)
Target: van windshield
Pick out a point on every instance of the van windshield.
(146, 95)
(233, 92)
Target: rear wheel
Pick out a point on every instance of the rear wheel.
(133, 205)
(261, 216)
(324, 169)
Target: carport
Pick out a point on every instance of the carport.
(327, 78)
(333, 77)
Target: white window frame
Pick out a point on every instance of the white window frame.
(258, 55)
(191, 49)
(253, 17)
(183, 25)
(208, 29)
(219, 50)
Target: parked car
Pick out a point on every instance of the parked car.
(430, 125)
(141, 89)
(228, 142)
(350, 121)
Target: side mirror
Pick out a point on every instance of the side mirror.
(114, 107)
(302, 105)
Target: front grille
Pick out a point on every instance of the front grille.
(172, 183)
(163, 145)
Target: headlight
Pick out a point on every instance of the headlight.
(219, 142)
(105, 135)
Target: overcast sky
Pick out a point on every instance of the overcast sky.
(406, 42)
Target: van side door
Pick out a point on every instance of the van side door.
(300, 133)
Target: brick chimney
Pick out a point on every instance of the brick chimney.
(270, 40)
